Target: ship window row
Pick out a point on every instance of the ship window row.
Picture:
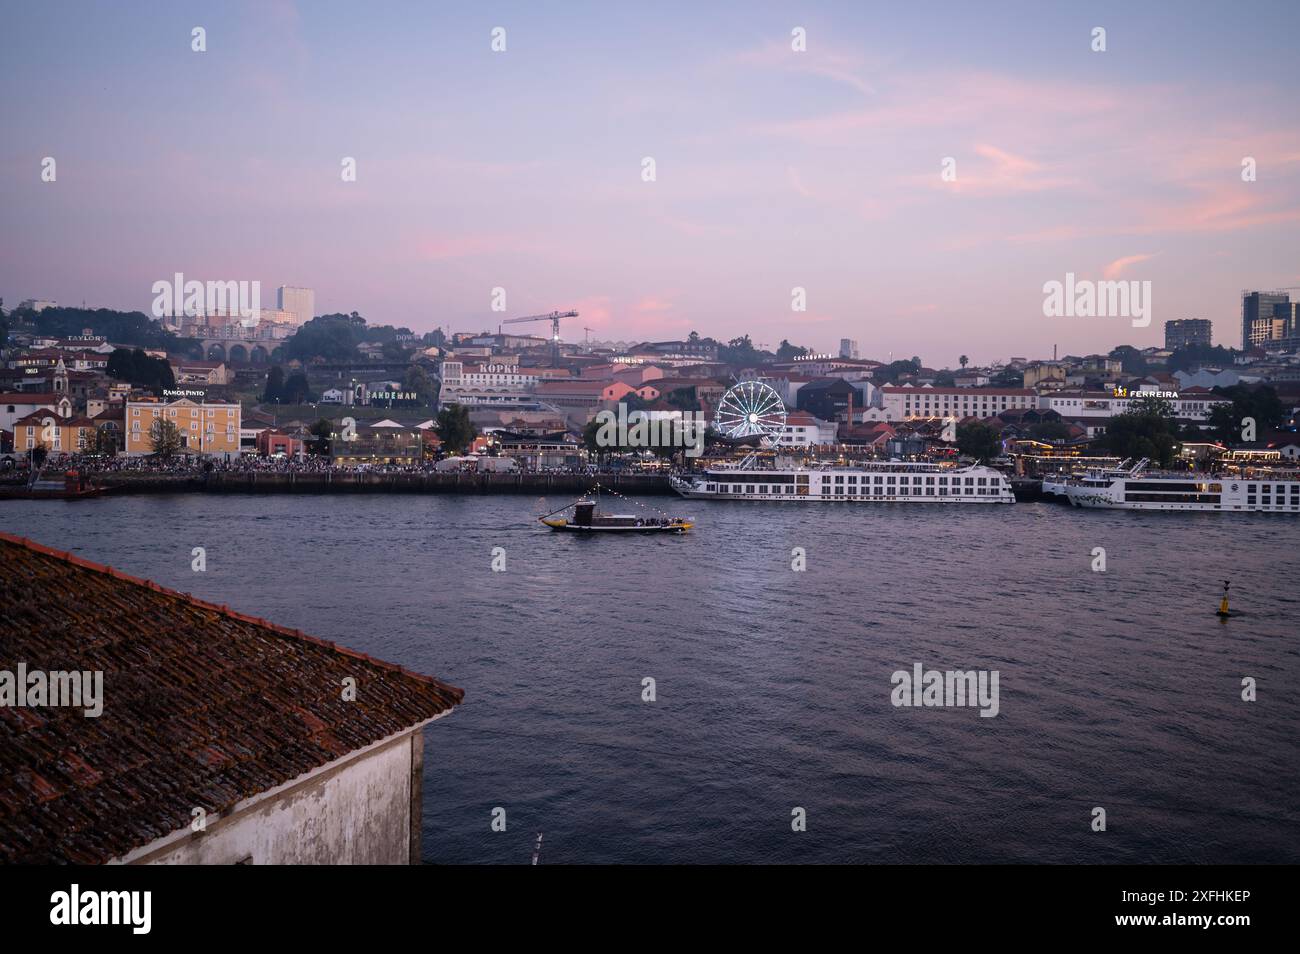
(1172, 498)
(943, 481)
(904, 490)
(1267, 502)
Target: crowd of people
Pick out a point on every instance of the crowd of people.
(189, 465)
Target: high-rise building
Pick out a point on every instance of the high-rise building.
(1265, 317)
(299, 301)
(848, 348)
(1184, 332)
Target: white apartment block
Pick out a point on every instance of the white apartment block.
(906, 402)
(1192, 404)
(804, 430)
(300, 301)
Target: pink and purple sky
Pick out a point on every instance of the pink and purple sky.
(775, 169)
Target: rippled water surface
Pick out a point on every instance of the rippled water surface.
(1118, 689)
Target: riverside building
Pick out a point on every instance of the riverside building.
(205, 427)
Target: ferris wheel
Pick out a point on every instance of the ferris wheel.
(750, 408)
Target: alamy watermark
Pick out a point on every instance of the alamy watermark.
(642, 429)
(193, 298)
(75, 906)
(1085, 298)
(79, 689)
(936, 688)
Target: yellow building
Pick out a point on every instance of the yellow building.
(69, 435)
(204, 427)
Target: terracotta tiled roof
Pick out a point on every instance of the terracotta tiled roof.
(202, 707)
(30, 397)
(800, 419)
(899, 389)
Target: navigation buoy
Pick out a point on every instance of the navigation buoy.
(1223, 611)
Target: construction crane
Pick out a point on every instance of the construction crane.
(554, 318)
(587, 340)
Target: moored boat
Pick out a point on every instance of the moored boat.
(1138, 489)
(873, 482)
(588, 518)
(70, 486)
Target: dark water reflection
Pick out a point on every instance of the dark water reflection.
(1119, 690)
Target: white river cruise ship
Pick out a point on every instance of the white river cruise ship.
(892, 482)
(1139, 490)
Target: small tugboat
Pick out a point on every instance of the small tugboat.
(70, 486)
(587, 518)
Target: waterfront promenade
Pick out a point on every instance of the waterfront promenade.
(142, 476)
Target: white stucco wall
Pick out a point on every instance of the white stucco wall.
(357, 813)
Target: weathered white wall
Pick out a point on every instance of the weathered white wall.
(359, 814)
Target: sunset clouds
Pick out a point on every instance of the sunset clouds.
(775, 168)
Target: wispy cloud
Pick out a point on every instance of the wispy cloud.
(1117, 267)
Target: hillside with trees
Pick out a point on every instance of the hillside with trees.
(335, 337)
(132, 328)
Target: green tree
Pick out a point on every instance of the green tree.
(1224, 426)
(129, 328)
(1147, 429)
(1132, 360)
(274, 392)
(165, 438)
(788, 352)
(330, 337)
(1050, 431)
(740, 352)
(106, 441)
(296, 390)
(589, 432)
(891, 372)
(417, 380)
(140, 370)
(978, 440)
(454, 428)
(963, 361)
(323, 433)
(1193, 356)
(683, 399)
(1260, 403)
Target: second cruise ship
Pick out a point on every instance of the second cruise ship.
(892, 482)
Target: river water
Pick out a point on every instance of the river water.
(1117, 689)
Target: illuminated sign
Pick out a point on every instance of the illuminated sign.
(1122, 392)
(394, 396)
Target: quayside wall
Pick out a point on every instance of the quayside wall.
(327, 483)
